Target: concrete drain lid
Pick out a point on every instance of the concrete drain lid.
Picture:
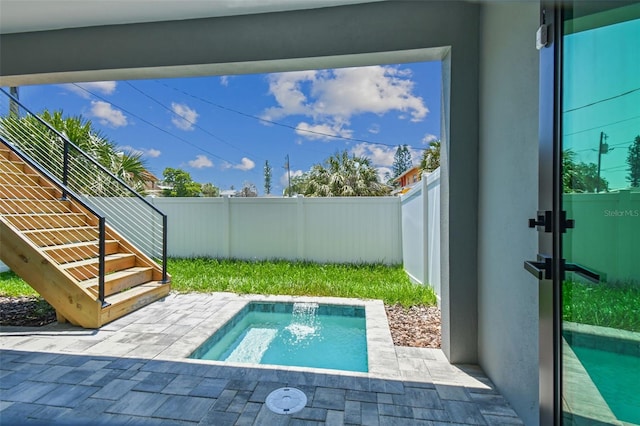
(286, 400)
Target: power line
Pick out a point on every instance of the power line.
(152, 125)
(276, 123)
(610, 146)
(602, 126)
(602, 100)
(186, 119)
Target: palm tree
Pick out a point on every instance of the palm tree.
(47, 149)
(430, 157)
(343, 176)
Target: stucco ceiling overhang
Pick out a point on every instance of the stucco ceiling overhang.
(39, 15)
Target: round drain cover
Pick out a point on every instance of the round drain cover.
(286, 400)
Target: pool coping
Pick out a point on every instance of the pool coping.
(381, 356)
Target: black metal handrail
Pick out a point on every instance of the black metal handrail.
(67, 146)
(65, 190)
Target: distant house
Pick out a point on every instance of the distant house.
(152, 185)
(151, 182)
(407, 179)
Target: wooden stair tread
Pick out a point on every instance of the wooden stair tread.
(95, 260)
(116, 275)
(124, 296)
(76, 245)
(73, 228)
(16, 185)
(42, 214)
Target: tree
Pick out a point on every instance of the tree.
(248, 190)
(401, 161)
(267, 178)
(341, 175)
(46, 149)
(298, 185)
(210, 190)
(633, 159)
(580, 177)
(181, 184)
(430, 157)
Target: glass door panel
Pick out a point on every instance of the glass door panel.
(601, 192)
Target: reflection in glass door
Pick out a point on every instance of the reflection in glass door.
(601, 193)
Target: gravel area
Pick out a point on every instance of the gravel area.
(418, 326)
(25, 311)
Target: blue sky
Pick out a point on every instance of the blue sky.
(223, 129)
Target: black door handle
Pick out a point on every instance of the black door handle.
(583, 272)
(541, 269)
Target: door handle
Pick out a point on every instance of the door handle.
(540, 268)
(582, 271)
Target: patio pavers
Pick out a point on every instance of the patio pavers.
(135, 371)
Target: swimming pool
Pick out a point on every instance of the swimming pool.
(609, 363)
(292, 334)
(617, 377)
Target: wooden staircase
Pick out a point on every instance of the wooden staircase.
(53, 245)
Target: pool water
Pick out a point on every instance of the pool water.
(292, 334)
(617, 377)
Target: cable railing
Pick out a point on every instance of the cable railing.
(84, 174)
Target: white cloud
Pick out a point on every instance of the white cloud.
(245, 164)
(287, 89)
(284, 179)
(428, 138)
(382, 155)
(224, 80)
(150, 152)
(201, 162)
(102, 87)
(321, 131)
(107, 115)
(377, 89)
(185, 117)
(374, 129)
(334, 96)
(153, 153)
(383, 173)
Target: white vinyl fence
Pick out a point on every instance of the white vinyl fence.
(421, 231)
(388, 230)
(340, 229)
(606, 237)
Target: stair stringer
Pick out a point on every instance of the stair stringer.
(56, 286)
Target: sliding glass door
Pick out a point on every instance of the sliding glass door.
(600, 139)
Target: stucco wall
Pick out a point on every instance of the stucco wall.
(508, 194)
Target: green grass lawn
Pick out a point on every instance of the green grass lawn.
(607, 305)
(391, 284)
(13, 286)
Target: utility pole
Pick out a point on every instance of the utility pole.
(286, 166)
(14, 110)
(603, 148)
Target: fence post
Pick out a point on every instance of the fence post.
(226, 227)
(426, 220)
(625, 235)
(300, 213)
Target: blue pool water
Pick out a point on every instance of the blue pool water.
(617, 377)
(300, 334)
